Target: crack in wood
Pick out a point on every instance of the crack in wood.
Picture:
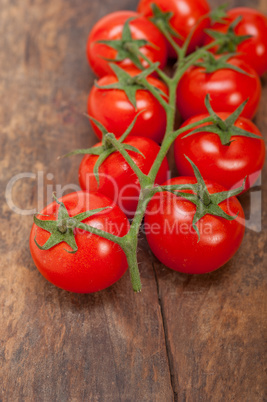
(168, 350)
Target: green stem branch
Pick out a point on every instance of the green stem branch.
(118, 146)
(160, 73)
(153, 90)
(109, 236)
(128, 243)
(167, 142)
(170, 39)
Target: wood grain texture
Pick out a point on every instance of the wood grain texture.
(183, 338)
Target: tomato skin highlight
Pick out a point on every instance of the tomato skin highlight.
(117, 179)
(112, 108)
(228, 165)
(179, 248)
(186, 14)
(253, 51)
(98, 263)
(110, 28)
(227, 89)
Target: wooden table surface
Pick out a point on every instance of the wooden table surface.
(185, 338)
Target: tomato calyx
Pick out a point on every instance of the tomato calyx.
(131, 84)
(62, 229)
(162, 20)
(219, 14)
(212, 63)
(206, 203)
(126, 47)
(109, 145)
(228, 41)
(225, 129)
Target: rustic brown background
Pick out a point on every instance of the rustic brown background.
(183, 338)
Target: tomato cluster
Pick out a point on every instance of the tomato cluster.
(193, 223)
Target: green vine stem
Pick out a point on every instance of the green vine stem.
(155, 93)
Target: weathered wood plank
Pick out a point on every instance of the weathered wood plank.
(216, 324)
(56, 345)
(109, 346)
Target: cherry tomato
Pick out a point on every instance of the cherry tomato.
(253, 50)
(228, 165)
(173, 240)
(98, 263)
(227, 89)
(112, 108)
(187, 15)
(110, 27)
(117, 179)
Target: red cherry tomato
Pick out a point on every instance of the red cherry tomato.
(117, 179)
(228, 165)
(227, 89)
(98, 263)
(187, 15)
(173, 240)
(110, 27)
(253, 50)
(112, 108)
